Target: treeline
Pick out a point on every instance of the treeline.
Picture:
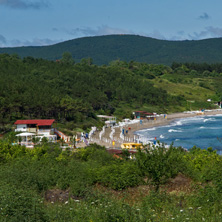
(37, 88)
(198, 69)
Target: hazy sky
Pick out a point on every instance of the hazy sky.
(44, 22)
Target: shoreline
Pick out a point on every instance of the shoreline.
(131, 128)
(170, 117)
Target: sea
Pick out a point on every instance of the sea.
(199, 131)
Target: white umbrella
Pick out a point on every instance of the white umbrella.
(25, 134)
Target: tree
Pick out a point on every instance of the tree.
(87, 61)
(44, 140)
(67, 58)
(159, 164)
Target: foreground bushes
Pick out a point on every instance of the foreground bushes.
(119, 175)
(27, 174)
(20, 204)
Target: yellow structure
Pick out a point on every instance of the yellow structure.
(131, 145)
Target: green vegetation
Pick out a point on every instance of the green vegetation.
(48, 184)
(73, 93)
(104, 49)
(36, 88)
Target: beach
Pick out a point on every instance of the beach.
(160, 121)
(192, 129)
(132, 127)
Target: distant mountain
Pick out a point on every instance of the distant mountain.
(103, 49)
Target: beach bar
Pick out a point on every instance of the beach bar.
(144, 115)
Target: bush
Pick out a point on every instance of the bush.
(119, 175)
(160, 164)
(90, 152)
(19, 204)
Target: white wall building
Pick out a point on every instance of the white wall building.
(39, 128)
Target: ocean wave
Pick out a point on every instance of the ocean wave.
(145, 130)
(188, 120)
(210, 128)
(151, 129)
(179, 123)
(217, 115)
(173, 130)
(210, 119)
(193, 119)
(161, 136)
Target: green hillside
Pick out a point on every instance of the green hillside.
(74, 94)
(104, 49)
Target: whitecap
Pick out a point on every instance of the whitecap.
(145, 130)
(150, 129)
(218, 115)
(142, 130)
(187, 120)
(210, 119)
(161, 136)
(179, 122)
(173, 130)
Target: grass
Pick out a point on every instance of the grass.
(190, 91)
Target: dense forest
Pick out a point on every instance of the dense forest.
(104, 49)
(76, 92)
(48, 184)
(36, 88)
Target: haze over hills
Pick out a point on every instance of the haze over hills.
(104, 49)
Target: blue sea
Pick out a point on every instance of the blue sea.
(200, 131)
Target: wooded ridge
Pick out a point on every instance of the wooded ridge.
(104, 49)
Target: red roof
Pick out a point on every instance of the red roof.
(144, 112)
(39, 122)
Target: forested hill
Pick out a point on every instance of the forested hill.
(37, 88)
(104, 49)
(76, 92)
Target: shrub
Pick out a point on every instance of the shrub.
(160, 164)
(19, 204)
(119, 175)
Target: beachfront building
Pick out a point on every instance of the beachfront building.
(38, 128)
(144, 115)
(109, 120)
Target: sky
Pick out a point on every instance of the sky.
(47, 22)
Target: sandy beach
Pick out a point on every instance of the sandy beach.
(131, 128)
(161, 121)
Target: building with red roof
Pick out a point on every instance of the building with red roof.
(37, 122)
(37, 127)
(34, 125)
(143, 115)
